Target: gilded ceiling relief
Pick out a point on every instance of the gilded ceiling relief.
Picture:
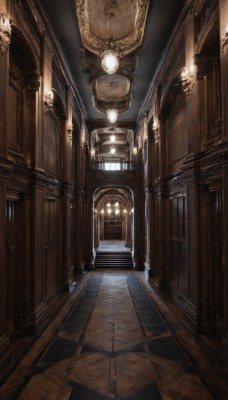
(120, 21)
(111, 88)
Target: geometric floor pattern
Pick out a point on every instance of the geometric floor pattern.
(115, 344)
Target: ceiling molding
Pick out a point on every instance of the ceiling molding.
(123, 20)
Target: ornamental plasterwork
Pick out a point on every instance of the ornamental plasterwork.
(123, 20)
(111, 87)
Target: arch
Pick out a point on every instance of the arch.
(23, 51)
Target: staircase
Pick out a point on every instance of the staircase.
(115, 260)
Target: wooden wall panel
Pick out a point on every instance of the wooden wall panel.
(178, 269)
(51, 219)
(51, 143)
(177, 132)
(14, 263)
(15, 122)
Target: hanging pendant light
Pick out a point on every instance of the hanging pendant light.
(110, 61)
(112, 115)
(112, 138)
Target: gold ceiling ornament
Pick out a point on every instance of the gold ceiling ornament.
(112, 91)
(111, 88)
(128, 22)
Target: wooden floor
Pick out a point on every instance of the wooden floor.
(115, 339)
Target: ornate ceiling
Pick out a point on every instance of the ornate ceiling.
(122, 21)
(138, 31)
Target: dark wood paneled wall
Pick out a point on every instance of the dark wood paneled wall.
(184, 169)
(42, 181)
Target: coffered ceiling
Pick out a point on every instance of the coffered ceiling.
(138, 30)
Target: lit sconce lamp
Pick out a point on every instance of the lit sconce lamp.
(113, 150)
(187, 76)
(49, 99)
(109, 210)
(125, 211)
(117, 211)
(102, 211)
(225, 39)
(92, 152)
(112, 115)
(117, 204)
(156, 132)
(5, 33)
(112, 138)
(132, 210)
(70, 130)
(135, 150)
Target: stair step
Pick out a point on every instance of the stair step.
(118, 260)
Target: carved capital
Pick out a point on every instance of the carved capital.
(33, 82)
(5, 33)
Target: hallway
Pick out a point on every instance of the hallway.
(115, 339)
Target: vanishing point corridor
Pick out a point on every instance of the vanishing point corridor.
(118, 341)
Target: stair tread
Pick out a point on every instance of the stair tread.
(113, 260)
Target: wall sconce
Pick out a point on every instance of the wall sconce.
(225, 39)
(70, 130)
(5, 33)
(49, 99)
(187, 77)
(156, 131)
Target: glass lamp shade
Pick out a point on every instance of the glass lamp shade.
(112, 138)
(113, 150)
(110, 62)
(112, 115)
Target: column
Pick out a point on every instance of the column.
(223, 14)
(4, 75)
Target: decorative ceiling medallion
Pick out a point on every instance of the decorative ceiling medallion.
(112, 91)
(111, 87)
(127, 28)
(103, 133)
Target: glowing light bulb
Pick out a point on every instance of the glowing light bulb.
(112, 138)
(110, 62)
(113, 150)
(112, 115)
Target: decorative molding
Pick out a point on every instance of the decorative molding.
(126, 43)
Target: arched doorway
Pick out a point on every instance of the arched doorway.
(113, 217)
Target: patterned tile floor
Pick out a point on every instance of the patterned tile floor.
(121, 342)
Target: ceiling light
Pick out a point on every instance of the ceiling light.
(112, 138)
(113, 150)
(110, 62)
(112, 115)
